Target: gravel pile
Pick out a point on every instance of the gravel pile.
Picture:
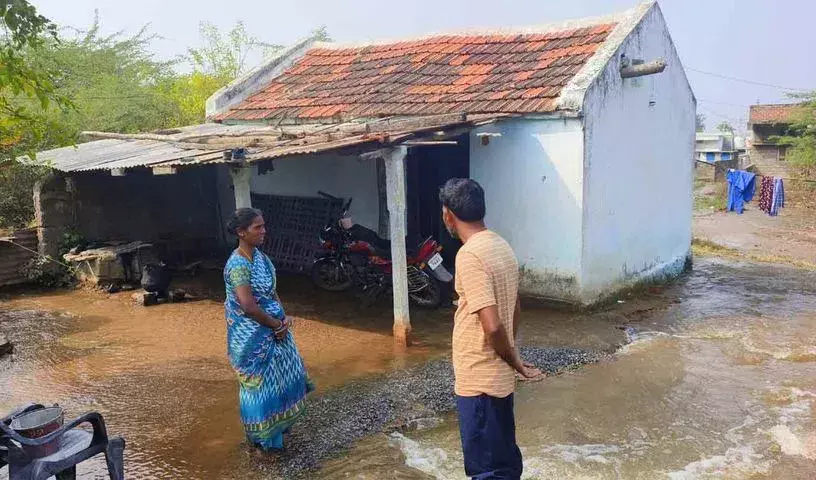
(398, 400)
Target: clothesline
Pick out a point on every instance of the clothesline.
(742, 187)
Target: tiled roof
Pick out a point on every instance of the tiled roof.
(514, 73)
(765, 114)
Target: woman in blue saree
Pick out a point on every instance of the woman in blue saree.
(272, 379)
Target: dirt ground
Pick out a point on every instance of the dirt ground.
(789, 237)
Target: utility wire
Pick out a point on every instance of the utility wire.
(751, 82)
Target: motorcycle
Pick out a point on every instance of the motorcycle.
(355, 256)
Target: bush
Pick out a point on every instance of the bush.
(17, 193)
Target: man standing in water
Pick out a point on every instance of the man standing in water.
(485, 359)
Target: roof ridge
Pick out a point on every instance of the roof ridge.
(564, 25)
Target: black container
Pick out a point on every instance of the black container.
(156, 278)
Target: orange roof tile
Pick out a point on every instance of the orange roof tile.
(517, 73)
(767, 114)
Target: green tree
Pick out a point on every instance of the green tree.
(26, 89)
(219, 60)
(114, 81)
(701, 122)
(725, 127)
(224, 56)
(801, 135)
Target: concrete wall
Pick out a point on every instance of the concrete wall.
(54, 212)
(639, 142)
(766, 159)
(341, 176)
(533, 181)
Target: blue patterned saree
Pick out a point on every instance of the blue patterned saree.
(271, 375)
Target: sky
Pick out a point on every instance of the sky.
(761, 41)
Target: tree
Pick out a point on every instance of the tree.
(220, 59)
(701, 122)
(26, 88)
(225, 56)
(801, 135)
(725, 127)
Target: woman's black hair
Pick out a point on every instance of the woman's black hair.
(242, 219)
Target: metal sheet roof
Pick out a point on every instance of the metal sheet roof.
(205, 144)
(112, 154)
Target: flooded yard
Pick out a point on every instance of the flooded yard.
(715, 380)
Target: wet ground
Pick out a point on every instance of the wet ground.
(720, 384)
(791, 236)
(161, 378)
(717, 382)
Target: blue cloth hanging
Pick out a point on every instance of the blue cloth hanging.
(741, 186)
(778, 196)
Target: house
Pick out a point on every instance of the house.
(716, 152)
(718, 147)
(765, 122)
(580, 133)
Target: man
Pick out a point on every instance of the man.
(485, 359)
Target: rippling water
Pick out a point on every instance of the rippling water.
(717, 382)
(719, 385)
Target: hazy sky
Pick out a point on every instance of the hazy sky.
(764, 41)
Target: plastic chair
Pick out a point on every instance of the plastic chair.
(75, 446)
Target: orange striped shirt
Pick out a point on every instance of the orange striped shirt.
(487, 274)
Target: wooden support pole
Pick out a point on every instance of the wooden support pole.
(241, 184)
(395, 180)
(643, 69)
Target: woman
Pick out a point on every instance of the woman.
(271, 375)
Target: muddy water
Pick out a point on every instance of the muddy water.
(720, 384)
(718, 381)
(160, 375)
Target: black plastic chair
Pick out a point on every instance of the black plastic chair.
(75, 446)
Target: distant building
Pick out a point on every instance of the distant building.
(713, 147)
(766, 121)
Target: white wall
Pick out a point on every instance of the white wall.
(638, 184)
(341, 176)
(533, 181)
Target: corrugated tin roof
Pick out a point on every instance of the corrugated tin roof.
(112, 154)
(205, 144)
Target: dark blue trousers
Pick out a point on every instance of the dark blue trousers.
(488, 430)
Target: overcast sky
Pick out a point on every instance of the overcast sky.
(763, 41)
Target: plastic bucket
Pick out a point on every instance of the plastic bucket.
(37, 424)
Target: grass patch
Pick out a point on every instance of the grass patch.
(710, 196)
(707, 248)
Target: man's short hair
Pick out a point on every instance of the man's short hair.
(465, 198)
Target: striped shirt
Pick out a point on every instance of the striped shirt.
(487, 274)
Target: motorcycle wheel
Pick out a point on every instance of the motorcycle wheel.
(428, 297)
(328, 275)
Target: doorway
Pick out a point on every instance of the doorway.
(427, 170)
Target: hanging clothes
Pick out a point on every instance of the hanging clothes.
(766, 194)
(778, 200)
(741, 185)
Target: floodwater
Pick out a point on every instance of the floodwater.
(720, 384)
(717, 382)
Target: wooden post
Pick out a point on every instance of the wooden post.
(382, 199)
(241, 184)
(395, 180)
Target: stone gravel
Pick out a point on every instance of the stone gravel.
(398, 400)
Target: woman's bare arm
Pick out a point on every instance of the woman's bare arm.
(252, 310)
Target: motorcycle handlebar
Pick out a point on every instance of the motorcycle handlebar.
(326, 195)
(332, 197)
